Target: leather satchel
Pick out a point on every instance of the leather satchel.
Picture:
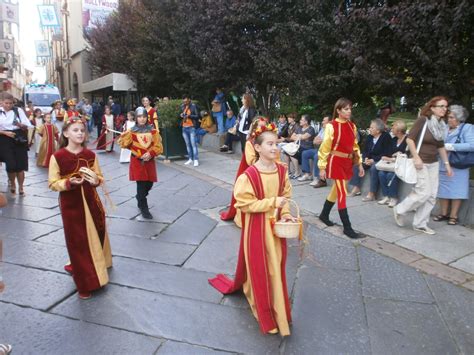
(461, 160)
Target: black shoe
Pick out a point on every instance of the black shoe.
(324, 216)
(347, 225)
(146, 213)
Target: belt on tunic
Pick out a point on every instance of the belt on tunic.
(341, 154)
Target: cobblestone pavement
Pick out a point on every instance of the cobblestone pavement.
(346, 298)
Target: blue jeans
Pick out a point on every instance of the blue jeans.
(306, 156)
(189, 135)
(219, 118)
(90, 124)
(374, 177)
(200, 132)
(385, 178)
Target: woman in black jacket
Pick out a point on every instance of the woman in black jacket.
(378, 144)
(244, 120)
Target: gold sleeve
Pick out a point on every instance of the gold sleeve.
(356, 145)
(96, 169)
(246, 200)
(250, 154)
(287, 190)
(157, 145)
(41, 130)
(125, 140)
(325, 147)
(55, 182)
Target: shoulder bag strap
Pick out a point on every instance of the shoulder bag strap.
(458, 139)
(422, 136)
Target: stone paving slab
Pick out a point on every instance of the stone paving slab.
(403, 255)
(175, 348)
(169, 209)
(27, 213)
(35, 288)
(216, 197)
(445, 248)
(457, 307)
(56, 238)
(178, 319)
(191, 228)
(385, 278)
(56, 221)
(199, 189)
(150, 250)
(133, 228)
(407, 328)
(432, 267)
(326, 320)
(225, 240)
(465, 263)
(36, 201)
(35, 254)
(327, 252)
(170, 280)
(24, 230)
(34, 332)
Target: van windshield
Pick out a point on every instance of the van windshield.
(42, 99)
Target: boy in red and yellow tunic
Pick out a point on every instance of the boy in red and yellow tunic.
(336, 155)
(152, 114)
(144, 141)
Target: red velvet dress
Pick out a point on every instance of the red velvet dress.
(83, 217)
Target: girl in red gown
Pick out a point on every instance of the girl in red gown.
(75, 173)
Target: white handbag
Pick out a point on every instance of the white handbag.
(385, 165)
(291, 148)
(404, 166)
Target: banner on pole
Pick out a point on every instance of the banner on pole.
(6, 46)
(94, 11)
(10, 12)
(48, 16)
(42, 49)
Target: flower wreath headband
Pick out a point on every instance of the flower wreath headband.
(270, 127)
(76, 119)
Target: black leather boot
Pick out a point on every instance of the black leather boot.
(144, 210)
(324, 215)
(347, 225)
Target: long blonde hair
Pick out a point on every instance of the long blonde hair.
(63, 141)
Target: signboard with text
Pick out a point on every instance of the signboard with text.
(96, 11)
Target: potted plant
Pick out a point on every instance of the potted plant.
(168, 119)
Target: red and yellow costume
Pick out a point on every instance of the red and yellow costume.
(47, 145)
(335, 156)
(83, 217)
(152, 117)
(72, 113)
(262, 256)
(59, 113)
(140, 140)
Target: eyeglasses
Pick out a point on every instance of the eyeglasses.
(440, 106)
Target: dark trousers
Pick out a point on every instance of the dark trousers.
(143, 188)
(230, 139)
(243, 140)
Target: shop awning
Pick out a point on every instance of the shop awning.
(116, 81)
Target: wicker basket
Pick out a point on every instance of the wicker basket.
(288, 230)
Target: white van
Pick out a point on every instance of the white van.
(42, 96)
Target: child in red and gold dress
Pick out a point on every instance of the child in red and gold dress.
(74, 171)
(144, 141)
(47, 146)
(259, 191)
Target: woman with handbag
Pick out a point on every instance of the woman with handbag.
(453, 190)
(429, 130)
(303, 136)
(14, 142)
(387, 178)
(336, 156)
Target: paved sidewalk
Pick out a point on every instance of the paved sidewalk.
(449, 254)
(346, 298)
